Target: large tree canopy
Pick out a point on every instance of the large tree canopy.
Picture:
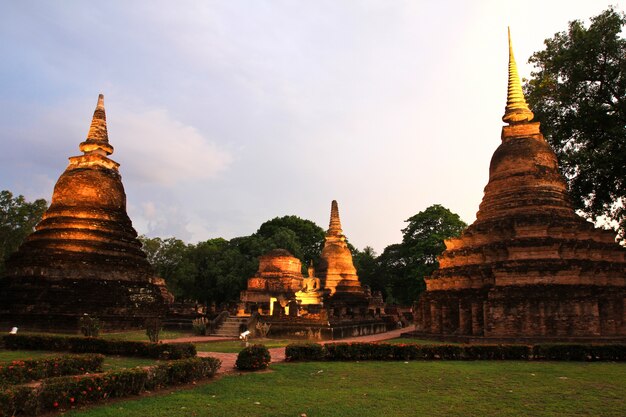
(307, 238)
(403, 266)
(18, 218)
(217, 270)
(578, 92)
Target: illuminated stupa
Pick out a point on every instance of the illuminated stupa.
(336, 269)
(528, 268)
(84, 256)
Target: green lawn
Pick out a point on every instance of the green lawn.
(14, 355)
(110, 362)
(140, 335)
(409, 341)
(135, 335)
(437, 388)
(235, 346)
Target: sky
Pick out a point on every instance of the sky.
(225, 114)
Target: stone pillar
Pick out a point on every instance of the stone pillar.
(465, 319)
(435, 317)
(606, 314)
(542, 318)
(425, 308)
(418, 317)
(477, 312)
(487, 329)
(445, 319)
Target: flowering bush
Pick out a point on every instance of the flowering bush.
(19, 372)
(74, 344)
(69, 391)
(253, 358)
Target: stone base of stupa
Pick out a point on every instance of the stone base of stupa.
(35, 304)
(538, 313)
(325, 329)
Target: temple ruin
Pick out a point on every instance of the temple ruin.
(329, 303)
(528, 268)
(84, 256)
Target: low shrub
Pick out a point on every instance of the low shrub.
(200, 326)
(69, 391)
(19, 372)
(304, 352)
(253, 358)
(383, 351)
(153, 329)
(575, 352)
(89, 326)
(167, 351)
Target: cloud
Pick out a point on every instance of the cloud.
(156, 149)
(162, 219)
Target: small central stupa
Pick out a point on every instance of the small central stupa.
(84, 257)
(528, 268)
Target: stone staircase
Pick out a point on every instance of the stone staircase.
(230, 327)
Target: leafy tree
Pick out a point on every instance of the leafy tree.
(307, 240)
(168, 257)
(219, 272)
(403, 266)
(18, 218)
(578, 92)
(366, 265)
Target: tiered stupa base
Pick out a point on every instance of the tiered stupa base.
(540, 313)
(33, 304)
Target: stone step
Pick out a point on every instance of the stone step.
(230, 327)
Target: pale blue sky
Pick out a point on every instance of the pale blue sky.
(224, 114)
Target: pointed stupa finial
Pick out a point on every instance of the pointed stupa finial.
(516, 110)
(98, 137)
(335, 223)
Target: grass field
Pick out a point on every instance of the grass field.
(134, 335)
(437, 388)
(140, 335)
(235, 346)
(110, 362)
(408, 341)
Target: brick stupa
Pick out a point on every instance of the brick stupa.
(279, 276)
(336, 269)
(84, 257)
(528, 268)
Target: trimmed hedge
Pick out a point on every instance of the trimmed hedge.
(384, 351)
(304, 352)
(19, 372)
(69, 391)
(253, 358)
(167, 351)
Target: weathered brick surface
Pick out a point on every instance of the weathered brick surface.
(528, 267)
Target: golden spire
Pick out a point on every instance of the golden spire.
(516, 110)
(98, 137)
(335, 224)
